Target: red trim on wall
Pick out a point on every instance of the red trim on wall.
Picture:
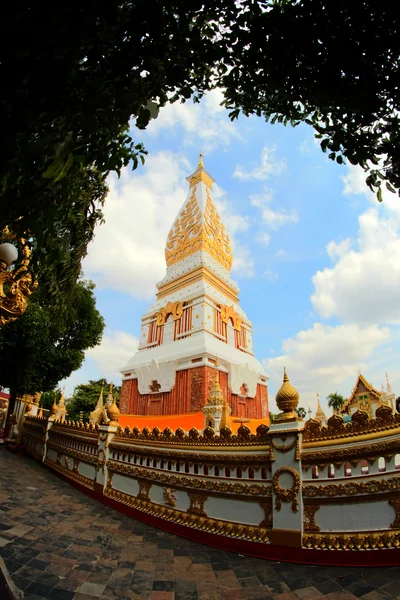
(337, 558)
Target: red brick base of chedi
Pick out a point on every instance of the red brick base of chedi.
(190, 393)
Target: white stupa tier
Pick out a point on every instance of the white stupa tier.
(196, 317)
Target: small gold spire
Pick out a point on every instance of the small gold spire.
(53, 409)
(388, 388)
(201, 163)
(287, 399)
(225, 420)
(113, 412)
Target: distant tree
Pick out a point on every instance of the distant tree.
(45, 345)
(336, 401)
(85, 397)
(301, 412)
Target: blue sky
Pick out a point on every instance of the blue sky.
(316, 257)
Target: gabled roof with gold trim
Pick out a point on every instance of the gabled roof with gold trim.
(361, 382)
(198, 225)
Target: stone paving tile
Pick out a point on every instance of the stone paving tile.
(59, 544)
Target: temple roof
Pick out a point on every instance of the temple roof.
(358, 388)
(198, 227)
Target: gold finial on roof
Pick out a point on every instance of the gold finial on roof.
(201, 163)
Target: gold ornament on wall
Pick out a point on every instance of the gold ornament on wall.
(144, 490)
(286, 494)
(172, 308)
(228, 312)
(396, 505)
(16, 285)
(197, 502)
(309, 523)
(169, 496)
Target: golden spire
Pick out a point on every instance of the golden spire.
(388, 388)
(287, 399)
(61, 402)
(225, 420)
(320, 415)
(201, 164)
(100, 402)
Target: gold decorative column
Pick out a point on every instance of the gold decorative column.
(285, 435)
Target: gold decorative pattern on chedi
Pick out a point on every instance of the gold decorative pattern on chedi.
(172, 308)
(193, 231)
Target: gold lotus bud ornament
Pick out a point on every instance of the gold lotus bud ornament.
(113, 412)
(287, 400)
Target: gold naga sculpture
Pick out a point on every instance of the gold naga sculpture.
(16, 284)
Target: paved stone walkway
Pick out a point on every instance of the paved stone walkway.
(60, 544)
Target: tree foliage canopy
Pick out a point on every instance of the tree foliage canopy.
(85, 397)
(44, 346)
(336, 401)
(75, 78)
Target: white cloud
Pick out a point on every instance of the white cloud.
(268, 166)
(338, 249)
(263, 239)
(363, 285)
(205, 123)
(281, 252)
(270, 275)
(325, 359)
(275, 219)
(105, 360)
(112, 354)
(128, 251)
(243, 262)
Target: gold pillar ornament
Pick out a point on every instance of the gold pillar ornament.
(287, 400)
(16, 284)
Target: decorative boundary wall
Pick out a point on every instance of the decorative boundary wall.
(283, 493)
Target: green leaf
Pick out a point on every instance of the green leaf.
(379, 194)
(67, 165)
(390, 187)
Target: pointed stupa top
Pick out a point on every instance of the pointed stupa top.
(388, 387)
(216, 395)
(61, 402)
(100, 402)
(320, 415)
(198, 228)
